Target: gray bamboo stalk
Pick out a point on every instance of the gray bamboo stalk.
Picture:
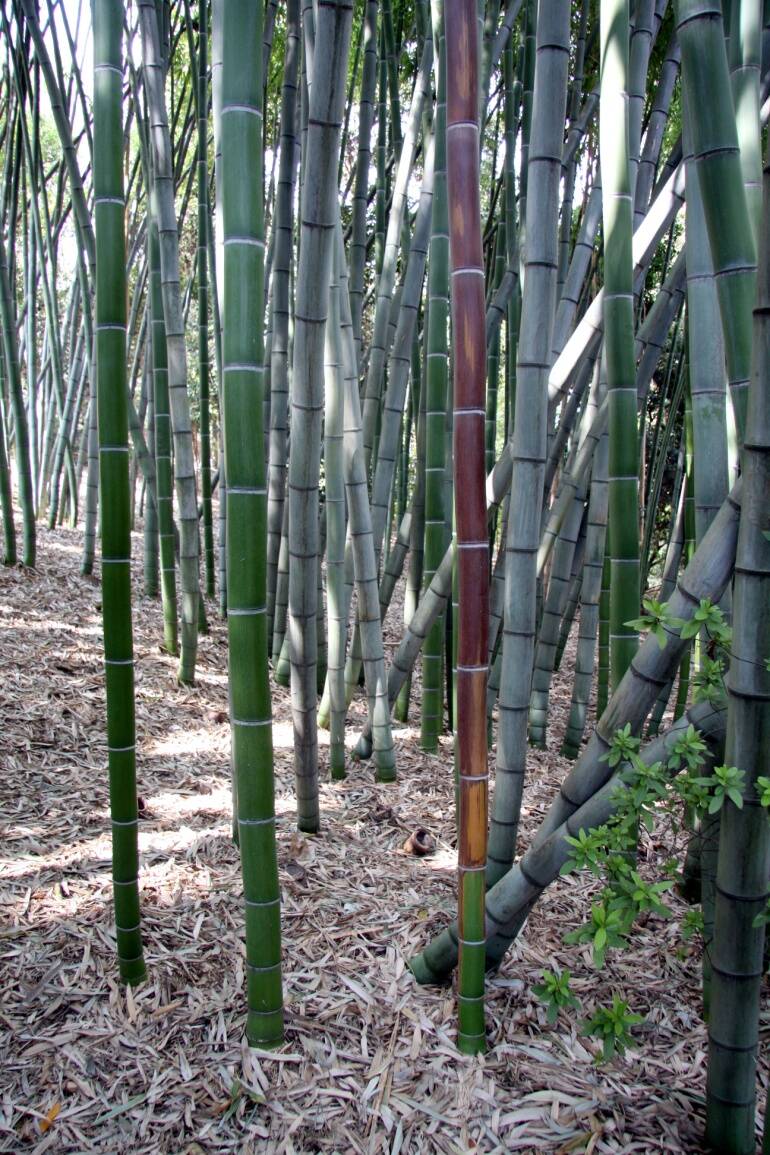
(706, 358)
(398, 376)
(656, 126)
(530, 427)
(705, 577)
(168, 236)
(589, 329)
(744, 840)
(279, 351)
(362, 544)
(363, 162)
(318, 196)
(511, 899)
(589, 602)
(334, 507)
(387, 277)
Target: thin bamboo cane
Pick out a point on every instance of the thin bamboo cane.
(6, 496)
(202, 98)
(334, 507)
(168, 238)
(436, 373)
(279, 351)
(163, 464)
(21, 432)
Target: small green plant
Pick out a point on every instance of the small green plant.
(589, 850)
(763, 786)
(707, 617)
(728, 782)
(622, 746)
(646, 895)
(689, 749)
(692, 923)
(642, 795)
(555, 992)
(709, 679)
(605, 930)
(612, 1025)
(654, 621)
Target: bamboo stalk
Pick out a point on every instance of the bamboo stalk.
(110, 328)
(243, 366)
(468, 320)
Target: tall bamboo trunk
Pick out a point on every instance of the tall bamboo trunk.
(468, 327)
(327, 75)
(243, 366)
(619, 337)
(111, 287)
(744, 841)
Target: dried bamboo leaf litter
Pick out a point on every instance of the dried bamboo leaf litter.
(370, 1062)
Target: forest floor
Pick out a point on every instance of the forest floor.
(369, 1064)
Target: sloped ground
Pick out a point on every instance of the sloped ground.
(369, 1063)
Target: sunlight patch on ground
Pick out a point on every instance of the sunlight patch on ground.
(200, 741)
(63, 547)
(47, 624)
(171, 803)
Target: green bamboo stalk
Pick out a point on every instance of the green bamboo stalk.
(718, 162)
(417, 522)
(243, 365)
(109, 214)
(569, 169)
(6, 497)
(744, 62)
(203, 294)
(744, 839)
(18, 410)
(573, 595)
(436, 374)
(619, 336)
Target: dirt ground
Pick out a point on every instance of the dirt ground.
(369, 1064)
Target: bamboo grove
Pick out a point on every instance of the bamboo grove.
(326, 297)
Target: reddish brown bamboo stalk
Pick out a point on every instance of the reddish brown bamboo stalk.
(469, 346)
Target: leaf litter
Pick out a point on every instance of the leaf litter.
(369, 1064)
